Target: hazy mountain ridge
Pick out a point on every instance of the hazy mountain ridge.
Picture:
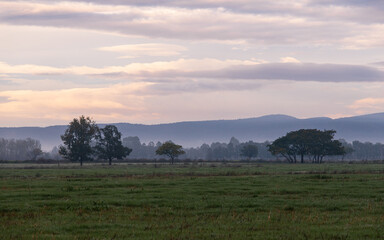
(193, 133)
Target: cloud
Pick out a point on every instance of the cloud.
(68, 52)
(365, 37)
(302, 72)
(133, 69)
(213, 69)
(29, 69)
(368, 105)
(313, 8)
(289, 60)
(190, 85)
(146, 49)
(116, 102)
(268, 23)
(280, 71)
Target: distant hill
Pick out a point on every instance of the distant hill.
(363, 128)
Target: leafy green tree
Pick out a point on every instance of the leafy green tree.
(170, 149)
(249, 150)
(307, 142)
(78, 137)
(109, 145)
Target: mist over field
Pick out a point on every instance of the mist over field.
(194, 133)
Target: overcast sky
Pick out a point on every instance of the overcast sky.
(159, 61)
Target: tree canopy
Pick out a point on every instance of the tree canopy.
(109, 145)
(171, 150)
(77, 139)
(313, 143)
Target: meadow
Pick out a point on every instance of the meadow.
(192, 201)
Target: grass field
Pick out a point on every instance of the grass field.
(192, 201)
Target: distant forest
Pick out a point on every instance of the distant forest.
(30, 149)
(232, 150)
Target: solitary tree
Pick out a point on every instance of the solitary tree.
(78, 138)
(307, 142)
(171, 150)
(109, 145)
(249, 150)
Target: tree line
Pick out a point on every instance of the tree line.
(84, 141)
(232, 150)
(215, 151)
(19, 149)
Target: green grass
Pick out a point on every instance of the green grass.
(194, 201)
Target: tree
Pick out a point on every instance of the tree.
(171, 150)
(249, 150)
(109, 145)
(78, 137)
(307, 142)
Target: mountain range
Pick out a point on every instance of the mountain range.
(194, 133)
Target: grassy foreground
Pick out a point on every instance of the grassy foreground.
(211, 201)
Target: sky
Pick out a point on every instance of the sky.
(161, 61)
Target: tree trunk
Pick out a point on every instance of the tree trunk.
(287, 157)
(302, 158)
(110, 161)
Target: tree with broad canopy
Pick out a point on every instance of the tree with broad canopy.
(78, 137)
(171, 150)
(313, 143)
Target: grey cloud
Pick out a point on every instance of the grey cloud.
(222, 27)
(268, 71)
(189, 85)
(361, 3)
(323, 10)
(249, 77)
(251, 5)
(303, 72)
